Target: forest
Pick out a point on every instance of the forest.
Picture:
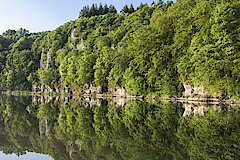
(153, 50)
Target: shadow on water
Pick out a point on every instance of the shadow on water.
(65, 128)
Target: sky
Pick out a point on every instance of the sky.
(43, 15)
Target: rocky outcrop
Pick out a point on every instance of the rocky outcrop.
(74, 33)
(80, 45)
(94, 90)
(115, 92)
(187, 90)
(50, 61)
(77, 46)
(118, 92)
(200, 91)
(194, 90)
(46, 61)
(75, 43)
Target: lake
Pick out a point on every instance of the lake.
(46, 128)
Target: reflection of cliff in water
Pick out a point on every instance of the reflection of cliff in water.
(195, 109)
(190, 108)
(119, 101)
(68, 128)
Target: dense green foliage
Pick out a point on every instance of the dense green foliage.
(17, 59)
(152, 50)
(94, 10)
(139, 130)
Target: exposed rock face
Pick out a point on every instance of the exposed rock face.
(119, 92)
(116, 92)
(46, 61)
(75, 45)
(74, 33)
(200, 91)
(50, 61)
(80, 45)
(188, 90)
(71, 46)
(42, 61)
(94, 90)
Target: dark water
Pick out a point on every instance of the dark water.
(139, 130)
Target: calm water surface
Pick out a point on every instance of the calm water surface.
(26, 156)
(63, 129)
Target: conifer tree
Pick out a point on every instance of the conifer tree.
(131, 9)
(125, 9)
(112, 9)
(105, 9)
(101, 9)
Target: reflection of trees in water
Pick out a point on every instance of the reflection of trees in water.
(139, 130)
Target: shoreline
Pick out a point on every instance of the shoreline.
(207, 100)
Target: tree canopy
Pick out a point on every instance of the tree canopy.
(152, 50)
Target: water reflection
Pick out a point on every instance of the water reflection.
(65, 128)
(195, 109)
(26, 156)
